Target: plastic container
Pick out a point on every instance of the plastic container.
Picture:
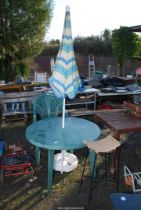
(65, 163)
(106, 107)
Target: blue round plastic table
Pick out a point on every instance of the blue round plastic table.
(50, 135)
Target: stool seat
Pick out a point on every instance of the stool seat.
(105, 145)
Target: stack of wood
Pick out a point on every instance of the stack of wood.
(133, 108)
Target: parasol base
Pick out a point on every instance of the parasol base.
(65, 163)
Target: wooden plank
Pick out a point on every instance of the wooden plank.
(23, 86)
(80, 112)
(18, 94)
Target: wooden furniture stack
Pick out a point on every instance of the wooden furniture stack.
(133, 108)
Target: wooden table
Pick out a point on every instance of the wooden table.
(119, 121)
(18, 87)
(21, 87)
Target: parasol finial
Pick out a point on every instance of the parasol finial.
(67, 8)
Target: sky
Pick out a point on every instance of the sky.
(92, 17)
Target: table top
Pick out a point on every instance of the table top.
(21, 86)
(119, 120)
(49, 133)
(119, 93)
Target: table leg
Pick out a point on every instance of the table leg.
(117, 135)
(50, 168)
(38, 152)
(92, 161)
(116, 160)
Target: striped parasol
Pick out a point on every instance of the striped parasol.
(65, 79)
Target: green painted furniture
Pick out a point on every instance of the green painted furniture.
(45, 105)
(50, 135)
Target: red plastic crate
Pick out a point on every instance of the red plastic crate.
(15, 169)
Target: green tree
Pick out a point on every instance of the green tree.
(124, 45)
(106, 35)
(22, 28)
(138, 42)
(97, 45)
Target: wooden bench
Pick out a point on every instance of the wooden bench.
(16, 105)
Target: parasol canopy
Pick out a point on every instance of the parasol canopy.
(65, 81)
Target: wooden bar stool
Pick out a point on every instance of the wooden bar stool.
(107, 145)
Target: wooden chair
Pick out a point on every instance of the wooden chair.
(40, 77)
(46, 105)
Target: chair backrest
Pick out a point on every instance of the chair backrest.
(47, 105)
(40, 77)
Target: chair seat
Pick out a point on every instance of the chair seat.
(105, 145)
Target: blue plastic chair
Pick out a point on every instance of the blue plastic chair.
(123, 201)
(45, 105)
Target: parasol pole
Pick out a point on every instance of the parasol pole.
(63, 114)
(63, 125)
